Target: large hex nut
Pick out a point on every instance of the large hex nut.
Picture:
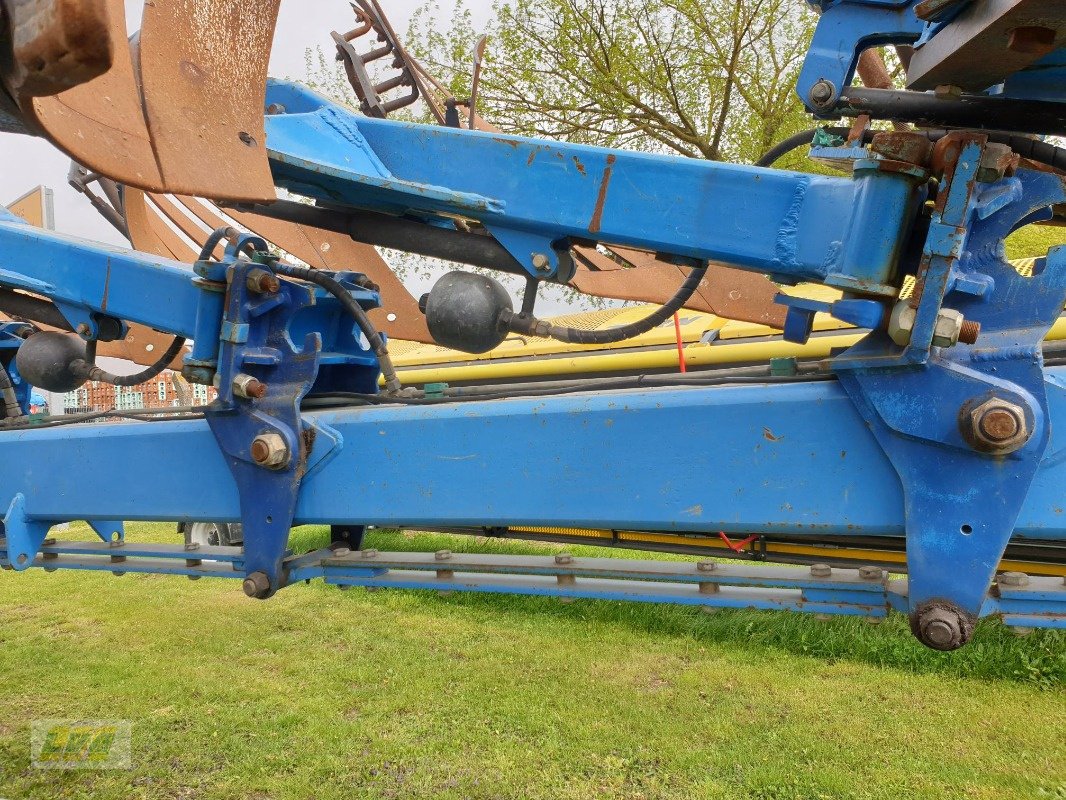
(270, 450)
(998, 426)
(948, 327)
(901, 323)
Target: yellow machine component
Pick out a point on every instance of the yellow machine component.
(770, 550)
(707, 340)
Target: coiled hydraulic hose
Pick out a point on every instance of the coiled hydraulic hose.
(377, 344)
(528, 324)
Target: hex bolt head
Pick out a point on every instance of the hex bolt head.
(269, 450)
(248, 387)
(901, 323)
(870, 573)
(442, 555)
(821, 570)
(1013, 579)
(261, 281)
(540, 262)
(370, 553)
(996, 426)
(564, 558)
(342, 551)
(191, 546)
(257, 585)
(707, 566)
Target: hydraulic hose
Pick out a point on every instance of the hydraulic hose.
(377, 344)
(95, 373)
(217, 235)
(528, 324)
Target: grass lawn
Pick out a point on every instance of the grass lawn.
(324, 694)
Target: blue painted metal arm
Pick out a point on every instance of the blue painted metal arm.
(86, 279)
(535, 195)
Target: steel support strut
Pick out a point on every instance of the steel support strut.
(1022, 601)
(967, 430)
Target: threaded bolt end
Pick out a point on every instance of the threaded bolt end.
(969, 332)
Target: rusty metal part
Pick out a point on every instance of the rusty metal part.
(997, 161)
(249, 387)
(49, 47)
(269, 450)
(399, 316)
(475, 82)
(874, 74)
(995, 426)
(203, 71)
(184, 112)
(142, 345)
(101, 123)
(370, 20)
(969, 332)
(261, 281)
(908, 147)
(872, 70)
(147, 231)
(931, 9)
(988, 42)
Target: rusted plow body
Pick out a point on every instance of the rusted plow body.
(177, 108)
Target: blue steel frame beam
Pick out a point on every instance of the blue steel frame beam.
(794, 459)
(531, 193)
(80, 275)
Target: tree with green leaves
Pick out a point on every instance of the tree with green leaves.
(677, 76)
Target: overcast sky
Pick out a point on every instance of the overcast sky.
(26, 162)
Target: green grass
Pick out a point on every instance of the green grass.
(325, 694)
(1034, 240)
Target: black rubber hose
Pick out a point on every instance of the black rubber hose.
(217, 235)
(794, 142)
(530, 325)
(95, 373)
(1026, 147)
(377, 344)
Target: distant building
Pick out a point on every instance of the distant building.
(160, 392)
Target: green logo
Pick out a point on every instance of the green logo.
(82, 744)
